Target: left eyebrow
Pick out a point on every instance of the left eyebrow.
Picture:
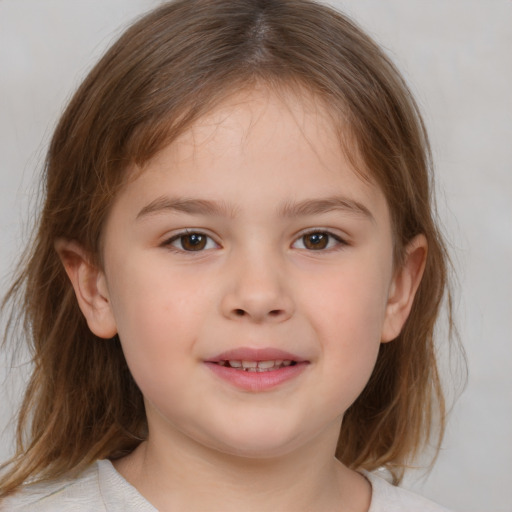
(185, 205)
(319, 206)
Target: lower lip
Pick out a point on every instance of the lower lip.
(257, 381)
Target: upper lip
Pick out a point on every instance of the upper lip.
(256, 354)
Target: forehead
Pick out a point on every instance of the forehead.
(265, 142)
(252, 118)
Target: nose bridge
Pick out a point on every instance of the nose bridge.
(257, 289)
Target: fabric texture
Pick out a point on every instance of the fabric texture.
(102, 489)
(389, 498)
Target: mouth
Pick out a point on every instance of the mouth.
(257, 366)
(257, 369)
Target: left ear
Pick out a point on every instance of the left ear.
(404, 285)
(90, 287)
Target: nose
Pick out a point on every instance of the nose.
(257, 291)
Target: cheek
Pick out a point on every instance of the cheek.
(347, 313)
(350, 351)
(349, 303)
(156, 327)
(152, 300)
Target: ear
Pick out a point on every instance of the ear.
(404, 285)
(90, 288)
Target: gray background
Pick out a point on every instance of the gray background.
(456, 54)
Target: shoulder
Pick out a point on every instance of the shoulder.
(389, 498)
(61, 494)
(97, 489)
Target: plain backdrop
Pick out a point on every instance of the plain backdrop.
(457, 57)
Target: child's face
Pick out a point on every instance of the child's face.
(250, 238)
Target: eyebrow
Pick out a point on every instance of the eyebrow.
(319, 206)
(215, 208)
(186, 205)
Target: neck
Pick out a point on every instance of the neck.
(188, 476)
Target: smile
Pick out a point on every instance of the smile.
(257, 366)
(257, 370)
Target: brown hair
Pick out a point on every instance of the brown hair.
(167, 70)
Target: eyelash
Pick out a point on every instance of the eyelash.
(180, 237)
(333, 241)
(204, 241)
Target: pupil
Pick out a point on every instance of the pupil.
(316, 241)
(193, 242)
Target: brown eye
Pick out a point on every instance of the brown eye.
(315, 241)
(319, 241)
(193, 242)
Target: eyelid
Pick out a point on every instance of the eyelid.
(340, 240)
(169, 240)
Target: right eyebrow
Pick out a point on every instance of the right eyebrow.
(184, 205)
(324, 205)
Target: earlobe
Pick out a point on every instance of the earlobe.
(90, 288)
(404, 285)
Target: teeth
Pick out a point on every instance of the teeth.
(266, 364)
(256, 366)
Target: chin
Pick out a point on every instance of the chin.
(262, 443)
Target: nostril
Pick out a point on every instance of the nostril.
(243, 313)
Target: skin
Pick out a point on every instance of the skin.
(256, 283)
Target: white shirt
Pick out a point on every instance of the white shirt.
(101, 488)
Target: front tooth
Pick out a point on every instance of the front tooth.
(235, 364)
(249, 364)
(266, 364)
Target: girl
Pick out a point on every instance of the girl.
(231, 296)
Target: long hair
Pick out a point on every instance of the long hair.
(166, 71)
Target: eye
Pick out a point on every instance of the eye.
(317, 241)
(191, 242)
